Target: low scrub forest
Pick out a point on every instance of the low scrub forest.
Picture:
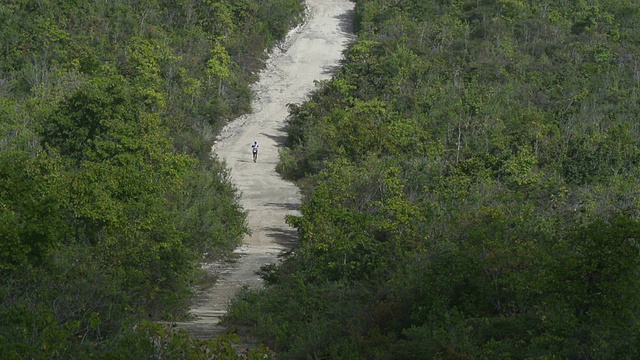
(471, 189)
(470, 180)
(109, 196)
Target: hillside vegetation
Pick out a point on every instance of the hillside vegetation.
(471, 189)
(109, 198)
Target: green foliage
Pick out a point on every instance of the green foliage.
(596, 279)
(29, 186)
(109, 197)
(210, 218)
(31, 223)
(471, 181)
(78, 323)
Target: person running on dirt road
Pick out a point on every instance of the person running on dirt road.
(254, 149)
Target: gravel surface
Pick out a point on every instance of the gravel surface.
(310, 53)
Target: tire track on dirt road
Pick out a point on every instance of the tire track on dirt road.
(311, 52)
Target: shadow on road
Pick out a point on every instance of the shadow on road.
(288, 206)
(280, 140)
(287, 238)
(346, 22)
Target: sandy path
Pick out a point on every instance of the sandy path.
(310, 53)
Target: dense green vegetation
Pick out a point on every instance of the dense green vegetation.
(108, 194)
(471, 188)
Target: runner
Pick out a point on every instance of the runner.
(254, 148)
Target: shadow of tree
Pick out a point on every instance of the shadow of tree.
(280, 140)
(287, 238)
(285, 205)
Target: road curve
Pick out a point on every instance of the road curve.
(311, 52)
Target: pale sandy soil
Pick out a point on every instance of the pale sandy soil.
(311, 52)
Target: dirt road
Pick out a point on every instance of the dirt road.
(311, 52)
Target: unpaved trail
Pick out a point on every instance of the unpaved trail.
(311, 52)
